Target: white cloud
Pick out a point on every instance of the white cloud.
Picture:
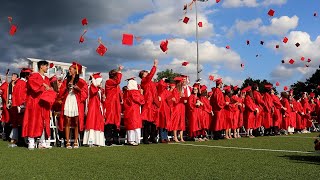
(239, 3)
(280, 26)
(274, 2)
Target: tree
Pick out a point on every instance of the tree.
(168, 73)
(251, 82)
(311, 85)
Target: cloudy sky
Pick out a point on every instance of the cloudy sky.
(51, 30)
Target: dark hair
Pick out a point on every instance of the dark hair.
(229, 94)
(124, 88)
(284, 95)
(255, 87)
(54, 85)
(141, 73)
(24, 74)
(69, 77)
(236, 91)
(112, 73)
(42, 63)
(15, 74)
(204, 93)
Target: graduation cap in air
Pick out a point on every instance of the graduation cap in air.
(186, 20)
(228, 47)
(242, 65)
(217, 1)
(309, 60)
(101, 49)
(185, 63)
(185, 7)
(51, 65)
(291, 61)
(271, 12)
(285, 88)
(248, 42)
(13, 29)
(261, 42)
(127, 39)
(282, 61)
(84, 21)
(211, 77)
(277, 46)
(302, 58)
(277, 84)
(164, 45)
(200, 24)
(297, 44)
(285, 40)
(81, 40)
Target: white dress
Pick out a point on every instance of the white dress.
(71, 105)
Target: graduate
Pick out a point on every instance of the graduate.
(194, 113)
(36, 118)
(178, 109)
(218, 103)
(299, 114)
(277, 116)
(267, 122)
(8, 111)
(93, 134)
(293, 116)
(250, 112)
(260, 105)
(237, 112)
(307, 110)
(286, 111)
(133, 100)
(73, 92)
(149, 112)
(206, 112)
(228, 111)
(164, 110)
(112, 107)
(18, 105)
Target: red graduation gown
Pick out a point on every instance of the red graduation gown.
(37, 113)
(95, 118)
(133, 99)
(217, 102)
(19, 99)
(5, 113)
(307, 110)
(112, 103)
(206, 115)
(293, 115)
(81, 96)
(164, 110)
(267, 114)
(286, 114)
(249, 115)
(277, 117)
(260, 105)
(228, 113)
(194, 113)
(150, 108)
(236, 112)
(178, 112)
(299, 109)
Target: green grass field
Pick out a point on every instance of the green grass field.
(203, 160)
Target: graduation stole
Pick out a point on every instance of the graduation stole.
(9, 101)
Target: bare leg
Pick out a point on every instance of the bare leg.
(181, 136)
(175, 136)
(67, 132)
(76, 132)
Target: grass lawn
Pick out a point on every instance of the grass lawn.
(203, 160)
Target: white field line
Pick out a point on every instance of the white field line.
(243, 148)
(294, 137)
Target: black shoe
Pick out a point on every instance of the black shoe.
(153, 141)
(146, 142)
(109, 144)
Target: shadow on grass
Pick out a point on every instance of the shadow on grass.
(311, 159)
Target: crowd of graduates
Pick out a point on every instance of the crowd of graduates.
(153, 110)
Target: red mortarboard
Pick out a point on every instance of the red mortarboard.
(271, 12)
(77, 66)
(268, 86)
(277, 84)
(312, 94)
(248, 42)
(185, 63)
(242, 65)
(186, 20)
(211, 77)
(282, 61)
(13, 29)
(291, 61)
(297, 44)
(277, 46)
(228, 47)
(96, 75)
(81, 40)
(49, 96)
(178, 78)
(164, 45)
(127, 39)
(315, 14)
(246, 89)
(51, 65)
(302, 58)
(196, 85)
(285, 88)
(218, 81)
(309, 60)
(217, 1)
(53, 79)
(84, 21)
(101, 50)
(203, 88)
(235, 88)
(28, 70)
(261, 42)
(200, 24)
(285, 40)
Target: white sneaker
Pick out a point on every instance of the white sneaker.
(12, 145)
(31, 146)
(44, 146)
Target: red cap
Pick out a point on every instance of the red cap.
(268, 86)
(271, 12)
(53, 79)
(203, 88)
(312, 94)
(277, 84)
(101, 50)
(211, 77)
(13, 29)
(228, 47)
(96, 75)
(178, 78)
(84, 21)
(77, 66)
(285, 88)
(196, 85)
(217, 1)
(227, 88)
(200, 24)
(285, 40)
(297, 44)
(309, 60)
(246, 89)
(277, 46)
(248, 42)
(51, 65)
(27, 70)
(291, 61)
(81, 40)
(49, 96)
(235, 88)
(185, 63)
(218, 81)
(164, 45)
(186, 20)
(302, 58)
(127, 39)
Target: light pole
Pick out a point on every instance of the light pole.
(197, 39)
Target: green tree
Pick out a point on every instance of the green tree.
(310, 85)
(168, 73)
(250, 82)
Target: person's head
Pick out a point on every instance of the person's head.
(304, 95)
(43, 66)
(172, 85)
(272, 91)
(284, 95)
(184, 81)
(72, 71)
(124, 88)
(96, 80)
(14, 77)
(132, 85)
(143, 74)
(236, 90)
(112, 73)
(25, 73)
(219, 83)
(255, 87)
(204, 93)
(195, 89)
